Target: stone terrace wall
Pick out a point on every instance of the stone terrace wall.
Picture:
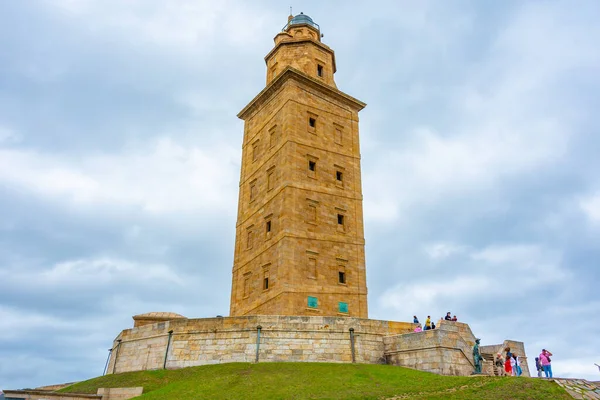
(516, 347)
(45, 395)
(103, 394)
(446, 350)
(234, 339)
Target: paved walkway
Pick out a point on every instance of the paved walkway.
(580, 388)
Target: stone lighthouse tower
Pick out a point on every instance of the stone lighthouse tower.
(300, 247)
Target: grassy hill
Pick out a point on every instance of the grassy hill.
(318, 381)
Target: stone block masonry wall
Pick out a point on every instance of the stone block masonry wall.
(103, 394)
(233, 339)
(45, 395)
(516, 347)
(120, 393)
(446, 350)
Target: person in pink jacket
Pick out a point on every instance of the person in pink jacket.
(545, 361)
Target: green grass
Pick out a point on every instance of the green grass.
(318, 381)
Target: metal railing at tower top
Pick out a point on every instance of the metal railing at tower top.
(301, 19)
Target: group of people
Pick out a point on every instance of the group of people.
(508, 365)
(429, 324)
(449, 318)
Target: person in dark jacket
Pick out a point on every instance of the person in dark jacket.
(538, 367)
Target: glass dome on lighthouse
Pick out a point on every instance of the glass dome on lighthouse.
(301, 19)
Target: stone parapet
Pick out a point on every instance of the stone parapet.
(204, 341)
(175, 344)
(516, 347)
(103, 394)
(446, 350)
(45, 395)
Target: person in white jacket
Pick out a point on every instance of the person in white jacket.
(513, 365)
(517, 371)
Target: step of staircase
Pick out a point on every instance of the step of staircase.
(579, 388)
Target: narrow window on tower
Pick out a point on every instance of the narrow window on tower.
(339, 176)
(311, 266)
(311, 167)
(312, 302)
(338, 135)
(312, 123)
(341, 222)
(266, 283)
(255, 150)
(270, 178)
(247, 277)
(252, 191)
(273, 136)
(343, 307)
(311, 211)
(319, 70)
(273, 70)
(342, 277)
(249, 237)
(268, 226)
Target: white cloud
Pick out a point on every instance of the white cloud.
(508, 120)
(533, 264)
(443, 250)
(92, 272)
(180, 24)
(591, 207)
(107, 270)
(163, 177)
(479, 272)
(13, 322)
(424, 296)
(7, 135)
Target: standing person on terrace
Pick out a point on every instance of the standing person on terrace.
(508, 366)
(415, 319)
(448, 317)
(517, 368)
(538, 367)
(428, 323)
(499, 363)
(545, 361)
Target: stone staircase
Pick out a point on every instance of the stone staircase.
(488, 364)
(579, 388)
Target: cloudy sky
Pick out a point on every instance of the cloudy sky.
(120, 155)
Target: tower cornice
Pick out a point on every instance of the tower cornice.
(293, 41)
(294, 74)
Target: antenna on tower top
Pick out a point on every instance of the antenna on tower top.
(290, 10)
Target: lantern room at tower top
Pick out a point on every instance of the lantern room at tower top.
(299, 46)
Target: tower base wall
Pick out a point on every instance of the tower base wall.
(271, 338)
